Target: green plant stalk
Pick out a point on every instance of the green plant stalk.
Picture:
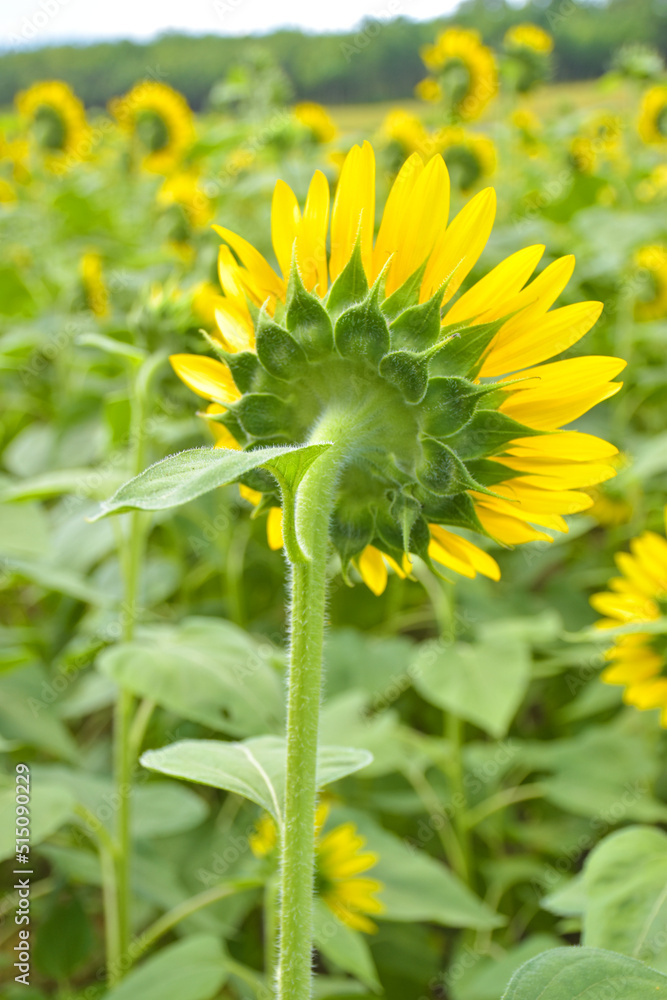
(312, 513)
(454, 735)
(271, 910)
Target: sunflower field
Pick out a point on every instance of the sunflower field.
(332, 539)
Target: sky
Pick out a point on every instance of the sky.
(30, 23)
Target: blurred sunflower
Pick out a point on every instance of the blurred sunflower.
(651, 301)
(528, 36)
(160, 120)
(652, 123)
(340, 860)
(466, 430)
(599, 141)
(529, 127)
(465, 72)
(316, 120)
(57, 119)
(16, 153)
(183, 188)
(470, 156)
(95, 289)
(609, 511)
(638, 596)
(406, 131)
(7, 192)
(655, 185)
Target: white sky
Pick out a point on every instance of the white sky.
(38, 22)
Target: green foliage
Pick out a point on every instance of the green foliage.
(566, 972)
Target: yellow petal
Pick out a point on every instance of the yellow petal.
(533, 340)
(206, 376)
(252, 496)
(501, 283)
(260, 280)
(235, 328)
(507, 529)
(424, 221)
(464, 551)
(458, 250)
(312, 236)
(354, 210)
(647, 694)
(372, 569)
(285, 218)
(571, 445)
(388, 238)
(230, 282)
(274, 528)
(625, 607)
(558, 476)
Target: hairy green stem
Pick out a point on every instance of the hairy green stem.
(313, 509)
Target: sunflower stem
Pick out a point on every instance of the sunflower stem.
(313, 508)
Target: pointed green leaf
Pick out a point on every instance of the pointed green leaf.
(277, 350)
(254, 769)
(192, 969)
(405, 296)
(189, 474)
(408, 372)
(442, 471)
(449, 404)
(419, 326)
(350, 287)
(458, 510)
(362, 331)
(487, 433)
(587, 974)
(263, 415)
(306, 318)
(463, 352)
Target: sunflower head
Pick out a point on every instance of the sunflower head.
(637, 661)
(470, 156)
(528, 36)
(160, 121)
(651, 298)
(438, 400)
(405, 131)
(94, 286)
(57, 118)
(652, 123)
(316, 120)
(340, 866)
(527, 62)
(464, 72)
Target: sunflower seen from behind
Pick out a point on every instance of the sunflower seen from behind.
(462, 417)
(160, 122)
(638, 660)
(652, 124)
(464, 75)
(57, 121)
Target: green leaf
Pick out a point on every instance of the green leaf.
(463, 353)
(193, 969)
(343, 946)
(483, 683)
(64, 939)
(487, 433)
(406, 296)
(625, 886)
(277, 350)
(51, 806)
(362, 331)
(350, 287)
(306, 317)
(441, 470)
(254, 768)
(25, 698)
(189, 474)
(56, 482)
(206, 670)
(458, 510)
(112, 346)
(483, 978)
(418, 327)
(449, 404)
(408, 372)
(587, 974)
(263, 415)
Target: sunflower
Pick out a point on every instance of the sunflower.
(95, 290)
(529, 128)
(652, 123)
(470, 157)
(639, 595)
(58, 119)
(183, 188)
(161, 121)
(651, 262)
(405, 131)
(464, 425)
(465, 72)
(7, 192)
(340, 860)
(316, 120)
(600, 140)
(528, 36)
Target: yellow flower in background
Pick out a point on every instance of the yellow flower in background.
(652, 123)
(7, 192)
(160, 119)
(528, 36)
(535, 472)
(340, 861)
(600, 140)
(465, 71)
(184, 188)
(655, 185)
(57, 119)
(470, 156)
(317, 120)
(16, 152)
(608, 511)
(529, 127)
(429, 90)
(638, 596)
(406, 130)
(651, 300)
(95, 289)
